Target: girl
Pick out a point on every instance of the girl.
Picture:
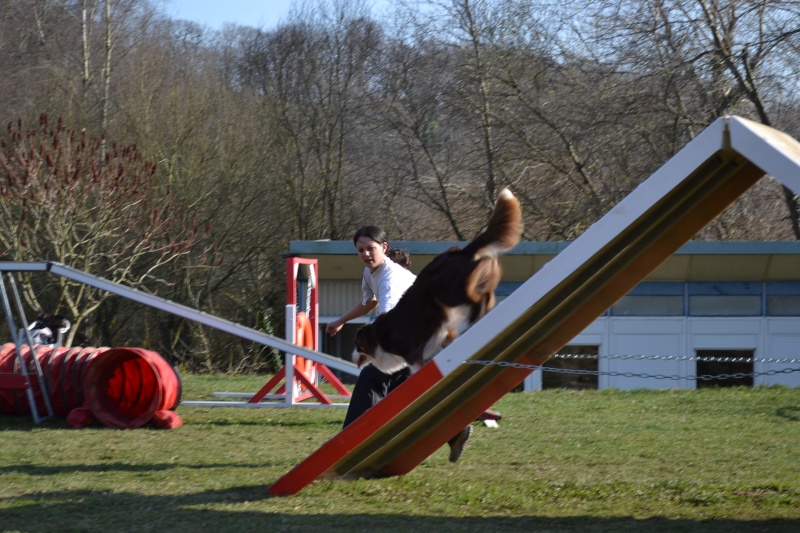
(382, 285)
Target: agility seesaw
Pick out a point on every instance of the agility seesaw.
(555, 304)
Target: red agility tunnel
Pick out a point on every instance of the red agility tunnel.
(120, 387)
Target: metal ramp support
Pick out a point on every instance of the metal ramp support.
(23, 379)
(182, 311)
(555, 304)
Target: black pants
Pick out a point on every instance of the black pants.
(371, 387)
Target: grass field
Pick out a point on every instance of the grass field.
(710, 460)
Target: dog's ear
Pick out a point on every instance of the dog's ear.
(365, 346)
(483, 279)
(365, 339)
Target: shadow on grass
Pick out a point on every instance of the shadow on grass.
(24, 423)
(789, 413)
(270, 423)
(251, 510)
(37, 470)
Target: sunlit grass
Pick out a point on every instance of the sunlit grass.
(708, 460)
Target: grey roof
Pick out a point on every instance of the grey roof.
(328, 247)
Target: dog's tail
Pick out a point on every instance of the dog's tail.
(504, 230)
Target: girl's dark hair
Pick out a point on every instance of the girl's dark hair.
(371, 232)
(400, 256)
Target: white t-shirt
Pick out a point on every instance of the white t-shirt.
(386, 285)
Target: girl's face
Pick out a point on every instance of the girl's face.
(370, 252)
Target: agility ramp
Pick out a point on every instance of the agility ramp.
(556, 304)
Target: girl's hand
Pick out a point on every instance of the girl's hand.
(334, 327)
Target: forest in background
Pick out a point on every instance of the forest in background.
(181, 161)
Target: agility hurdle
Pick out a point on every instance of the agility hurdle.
(299, 378)
(555, 304)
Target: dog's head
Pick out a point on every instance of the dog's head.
(366, 346)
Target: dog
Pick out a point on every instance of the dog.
(450, 294)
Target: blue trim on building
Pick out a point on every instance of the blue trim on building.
(327, 247)
(724, 288)
(783, 287)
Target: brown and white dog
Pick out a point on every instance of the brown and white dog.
(450, 294)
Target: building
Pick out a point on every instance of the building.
(738, 301)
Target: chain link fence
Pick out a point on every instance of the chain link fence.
(703, 377)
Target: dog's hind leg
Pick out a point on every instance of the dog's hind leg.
(483, 279)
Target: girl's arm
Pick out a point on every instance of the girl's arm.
(360, 309)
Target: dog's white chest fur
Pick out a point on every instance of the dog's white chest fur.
(386, 362)
(455, 324)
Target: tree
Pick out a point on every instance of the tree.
(709, 58)
(438, 101)
(313, 76)
(63, 201)
(212, 139)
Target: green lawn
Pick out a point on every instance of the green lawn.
(709, 460)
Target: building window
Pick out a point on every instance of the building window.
(783, 305)
(717, 368)
(783, 298)
(564, 380)
(652, 298)
(648, 306)
(725, 305)
(725, 299)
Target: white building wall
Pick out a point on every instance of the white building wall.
(768, 337)
(337, 297)
(644, 336)
(781, 341)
